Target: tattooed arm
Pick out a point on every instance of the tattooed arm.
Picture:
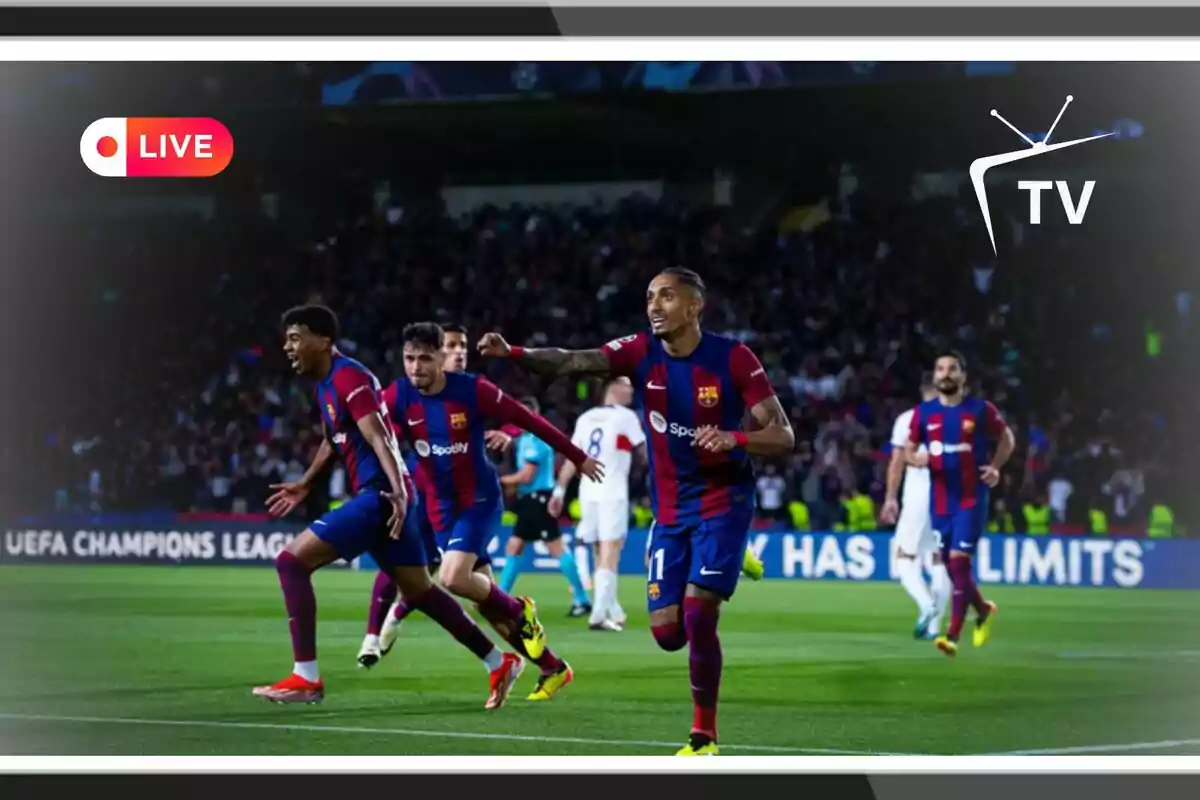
(556, 361)
(619, 357)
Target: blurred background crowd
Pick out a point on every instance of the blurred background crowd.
(843, 271)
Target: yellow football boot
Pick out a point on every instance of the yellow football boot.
(983, 628)
(550, 685)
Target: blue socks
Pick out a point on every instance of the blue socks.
(513, 566)
(568, 565)
(570, 569)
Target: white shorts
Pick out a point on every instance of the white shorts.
(914, 533)
(603, 522)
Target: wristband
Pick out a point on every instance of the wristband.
(516, 352)
(559, 493)
(739, 439)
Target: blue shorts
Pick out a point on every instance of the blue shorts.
(960, 530)
(360, 525)
(709, 555)
(471, 531)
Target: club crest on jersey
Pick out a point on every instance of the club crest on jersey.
(658, 422)
(968, 425)
(458, 420)
(708, 396)
(332, 413)
(652, 591)
(422, 448)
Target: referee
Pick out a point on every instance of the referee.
(534, 481)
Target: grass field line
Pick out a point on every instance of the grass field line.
(511, 737)
(1166, 744)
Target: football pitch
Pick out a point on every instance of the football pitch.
(112, 660)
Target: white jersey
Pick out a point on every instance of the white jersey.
(916, 479)
(608, 434)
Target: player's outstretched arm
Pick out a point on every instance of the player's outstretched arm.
(547, 360)
(494, 402)
(286, 497)
(320, 461)
(618, 357)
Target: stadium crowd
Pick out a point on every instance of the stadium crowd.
(845, 302)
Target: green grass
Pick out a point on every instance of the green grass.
(147, 660)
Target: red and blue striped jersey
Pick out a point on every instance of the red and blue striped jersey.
(957, 438)
(716, 385)
(446, 431)
(347, 394)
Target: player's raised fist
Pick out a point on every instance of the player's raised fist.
(493, 344)
(593, 469)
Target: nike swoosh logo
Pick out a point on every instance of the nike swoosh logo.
(935, 426)
(653, 385)
(453, 541)
(707, 571)
(980, 166)
(414, 421)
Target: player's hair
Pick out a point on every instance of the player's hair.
(927, 382)
(428, 335)
(454, 327)
(957, 356)
(688, 277)
(317, 318)
(532, 403)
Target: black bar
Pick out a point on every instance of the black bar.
(479, 21)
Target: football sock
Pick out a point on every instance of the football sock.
(606, 586)
(382, 596)
(704, 662)
(445, 611)
(965, 594)
(941, 586)
(568, 567)
(513, 566)
(301, 604)
(583, 559)
(909, 570)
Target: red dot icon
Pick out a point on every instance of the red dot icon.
(106, 146)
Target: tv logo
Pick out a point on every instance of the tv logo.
(980, 166)
(156, 147)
